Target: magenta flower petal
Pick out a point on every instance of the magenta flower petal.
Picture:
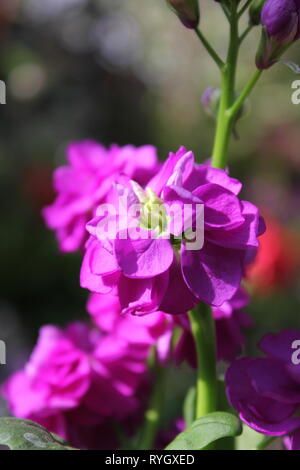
(230, 339)
(142, 296)
(281, 428)
(101, 261)
(159, 181)
(104, 308)
(270, 380)
(204, 174)
(99, 271)
(279, 345)
(86, 181)
(182, 170)
(213, 274)
(143, 258)
(264, 390)
(240, 300)
(78, 379)
(265, 415)
(33, 400)
(178, 298)
(177, 200)
(242, 236)
(293, 442)
(223, 210)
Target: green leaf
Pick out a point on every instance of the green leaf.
(205, 430)
(21, 434)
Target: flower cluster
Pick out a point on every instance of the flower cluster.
(161, 260)
(85, 182)
(79, 380)
(266, 391)
(150, 271)
(157, 240)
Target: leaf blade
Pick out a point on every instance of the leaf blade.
(22, 434)
(206, 430)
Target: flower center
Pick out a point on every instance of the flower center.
(153, 215)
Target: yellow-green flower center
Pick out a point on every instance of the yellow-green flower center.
(153, 215)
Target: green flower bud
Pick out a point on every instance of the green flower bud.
(269, 50)
(187, 11)
(210, 101)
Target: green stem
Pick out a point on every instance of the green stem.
(226, 11)
(244, 8)
(152, 415)
(209, 48)
(265, 442)
(245, 33)
(203, 328)
(233, 111)
(224, 122)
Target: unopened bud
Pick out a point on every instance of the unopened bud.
(281, 27)
(210, 101)
(187, 11)
(269, 50)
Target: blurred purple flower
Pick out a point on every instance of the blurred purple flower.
(155, 329)
(85, 182)
(266, 391)
(79, 380)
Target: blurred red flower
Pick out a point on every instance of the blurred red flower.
(277, 260)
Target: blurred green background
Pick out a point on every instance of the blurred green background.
(125, 72)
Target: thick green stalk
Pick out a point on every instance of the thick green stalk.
(203, 328)
(229, 107)
(224, 121)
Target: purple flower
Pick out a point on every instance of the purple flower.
(281, 27)
(78, 380)
(281, 19)
(266, 391)
(155, 329)
(153, 267)
(230, 321)
(85, 182)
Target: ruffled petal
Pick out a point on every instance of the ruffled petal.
(213, 274)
